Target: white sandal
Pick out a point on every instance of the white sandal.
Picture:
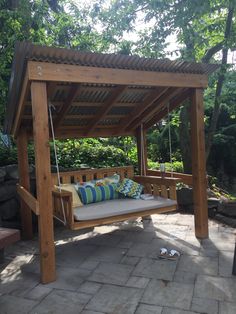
(173, 255)
(163, 253)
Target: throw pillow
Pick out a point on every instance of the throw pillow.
(96, 194)
(76, 202)
(130, 188)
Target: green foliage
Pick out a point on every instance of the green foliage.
(73, 154)
(176, 166)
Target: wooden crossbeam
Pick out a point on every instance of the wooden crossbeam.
(80, 133)
(44, 71)
(148, 113)
(74, 90)
(115, 95)
(164, 111)
(81, 116)
(137, 111)
(28, 198)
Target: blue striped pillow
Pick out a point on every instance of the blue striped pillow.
(90, 194)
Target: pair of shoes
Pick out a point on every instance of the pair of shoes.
(170, 255)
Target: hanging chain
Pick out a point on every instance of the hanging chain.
(170, 140)
(50, 106)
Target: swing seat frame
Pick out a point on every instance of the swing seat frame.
(158, 186)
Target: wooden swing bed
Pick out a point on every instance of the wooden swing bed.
(98, 95)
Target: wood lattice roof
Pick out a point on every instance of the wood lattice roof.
(99, 94)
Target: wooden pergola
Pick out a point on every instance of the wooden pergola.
(96, 95)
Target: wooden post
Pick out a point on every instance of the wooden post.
(141, 146)
(199, 165)
(24, 180)
(43, 180)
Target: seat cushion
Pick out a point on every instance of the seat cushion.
(119, 207)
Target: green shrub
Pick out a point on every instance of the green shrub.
(177, 166)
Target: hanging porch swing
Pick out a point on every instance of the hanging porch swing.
(106, 212)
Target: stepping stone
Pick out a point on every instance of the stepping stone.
(112, 273)
(115, 299)
(10, 304)
(198, 264)
(163, 293)
(158, 269)
(148, 309)
(61, 302)
(207, 306)
(217, 288)
(227, 308)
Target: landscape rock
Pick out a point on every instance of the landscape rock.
(228, 208)
(7, 192)
(9, 209)
(2, 174)
(12, 172)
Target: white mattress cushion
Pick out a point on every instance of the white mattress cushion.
(119, 207)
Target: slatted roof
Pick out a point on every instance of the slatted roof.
(99, 94)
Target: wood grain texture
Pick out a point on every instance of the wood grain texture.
(43, 182)
(29, 199)
(110, 101)
(43, 71)
(24, 180)
(199, 165)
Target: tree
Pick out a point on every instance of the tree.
(203, 28)
(52, 22)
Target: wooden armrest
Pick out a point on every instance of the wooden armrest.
(62, 193)
(156, 180)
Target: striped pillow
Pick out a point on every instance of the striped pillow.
(90, 194)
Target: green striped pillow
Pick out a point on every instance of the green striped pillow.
(90, 194)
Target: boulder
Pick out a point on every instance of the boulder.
(228, 208)
(2, 174)
(9, 209)
(7, 192)
(12, 172)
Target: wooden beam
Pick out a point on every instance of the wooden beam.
(148, 113)
(43, 180)
(185, 178)
(173, 104)
(65, 107)
(199, 165)
(112, 98)
(89, 104)
(44, 71)
(24, 180)
(141, 147)
(21, 105)
(137, 111)
(79, 133)
(28, 198)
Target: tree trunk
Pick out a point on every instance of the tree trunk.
(221, 78)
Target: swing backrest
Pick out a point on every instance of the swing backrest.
(85, 175)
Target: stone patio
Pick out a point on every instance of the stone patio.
(115, 269)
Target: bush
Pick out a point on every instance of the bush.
(74, 153)
(177, 166)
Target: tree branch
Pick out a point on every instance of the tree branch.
(210, 52)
